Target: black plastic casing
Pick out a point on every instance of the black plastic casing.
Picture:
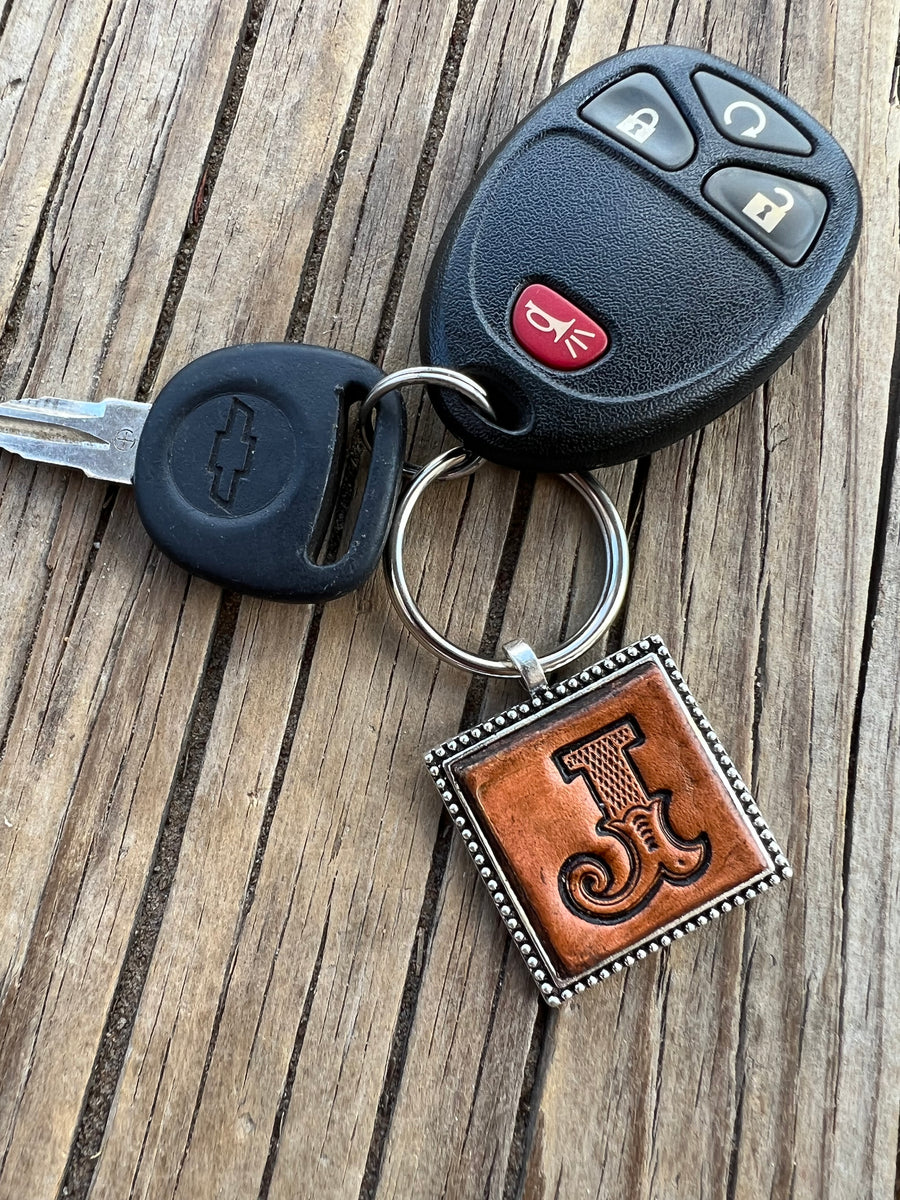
(698, 312)
(239, 461)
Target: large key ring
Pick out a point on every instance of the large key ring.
(442, 376)
(519, 658)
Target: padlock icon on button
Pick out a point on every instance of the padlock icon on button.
(639, 125)
(767, 213)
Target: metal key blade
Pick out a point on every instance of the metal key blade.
(98, 437)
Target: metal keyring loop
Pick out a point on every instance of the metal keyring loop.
(443, 377)
(613, 592)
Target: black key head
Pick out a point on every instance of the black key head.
(644, 250)
(238, 465)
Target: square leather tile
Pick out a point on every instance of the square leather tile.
(605, 818)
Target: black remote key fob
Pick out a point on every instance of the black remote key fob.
(642, 251)
(239, 461)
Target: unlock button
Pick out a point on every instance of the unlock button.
(785, 215)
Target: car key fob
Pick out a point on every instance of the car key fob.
(642, 251)
(238, 464)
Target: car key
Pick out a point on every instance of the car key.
(642, 251)
(236, 464)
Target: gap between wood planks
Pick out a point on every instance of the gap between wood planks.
(888, 471)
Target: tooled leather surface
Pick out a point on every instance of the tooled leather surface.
(538, 820)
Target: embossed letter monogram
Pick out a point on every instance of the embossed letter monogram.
(635, 848)
(678, 841)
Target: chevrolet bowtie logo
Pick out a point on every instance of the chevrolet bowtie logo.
(232, 453)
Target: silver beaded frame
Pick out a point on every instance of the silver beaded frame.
(441, 763)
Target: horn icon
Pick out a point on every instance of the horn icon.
(535, 316)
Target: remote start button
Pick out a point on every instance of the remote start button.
(640, 113)
(744, 118)
(555, 331)
(784, 214)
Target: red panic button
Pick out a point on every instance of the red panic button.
(555, 331)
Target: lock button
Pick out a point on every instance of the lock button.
(639, 112)
(785, 215)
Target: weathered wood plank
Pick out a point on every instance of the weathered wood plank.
(47, 52)
(823, 992)
(63, 361)
(48, 58)
(867, 1089)
(50, 1032)
(84, 783)
(254, 243)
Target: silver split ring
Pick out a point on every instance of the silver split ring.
(613, 589)
(443, 377)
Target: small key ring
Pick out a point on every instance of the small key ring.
(443, 377)
(613, 592)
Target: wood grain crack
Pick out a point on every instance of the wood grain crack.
(784, 64)
(629, 24)
(739, 1072)
(633, 520)
(525, 1129)
(876, 579)
(288, 1089)
(4, 16)
(888, 469)
(406, 1013)
(570, 21)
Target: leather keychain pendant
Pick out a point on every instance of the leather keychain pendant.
(603, 813)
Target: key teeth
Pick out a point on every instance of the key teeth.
(98, 437)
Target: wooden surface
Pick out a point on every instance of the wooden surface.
(240, 954)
